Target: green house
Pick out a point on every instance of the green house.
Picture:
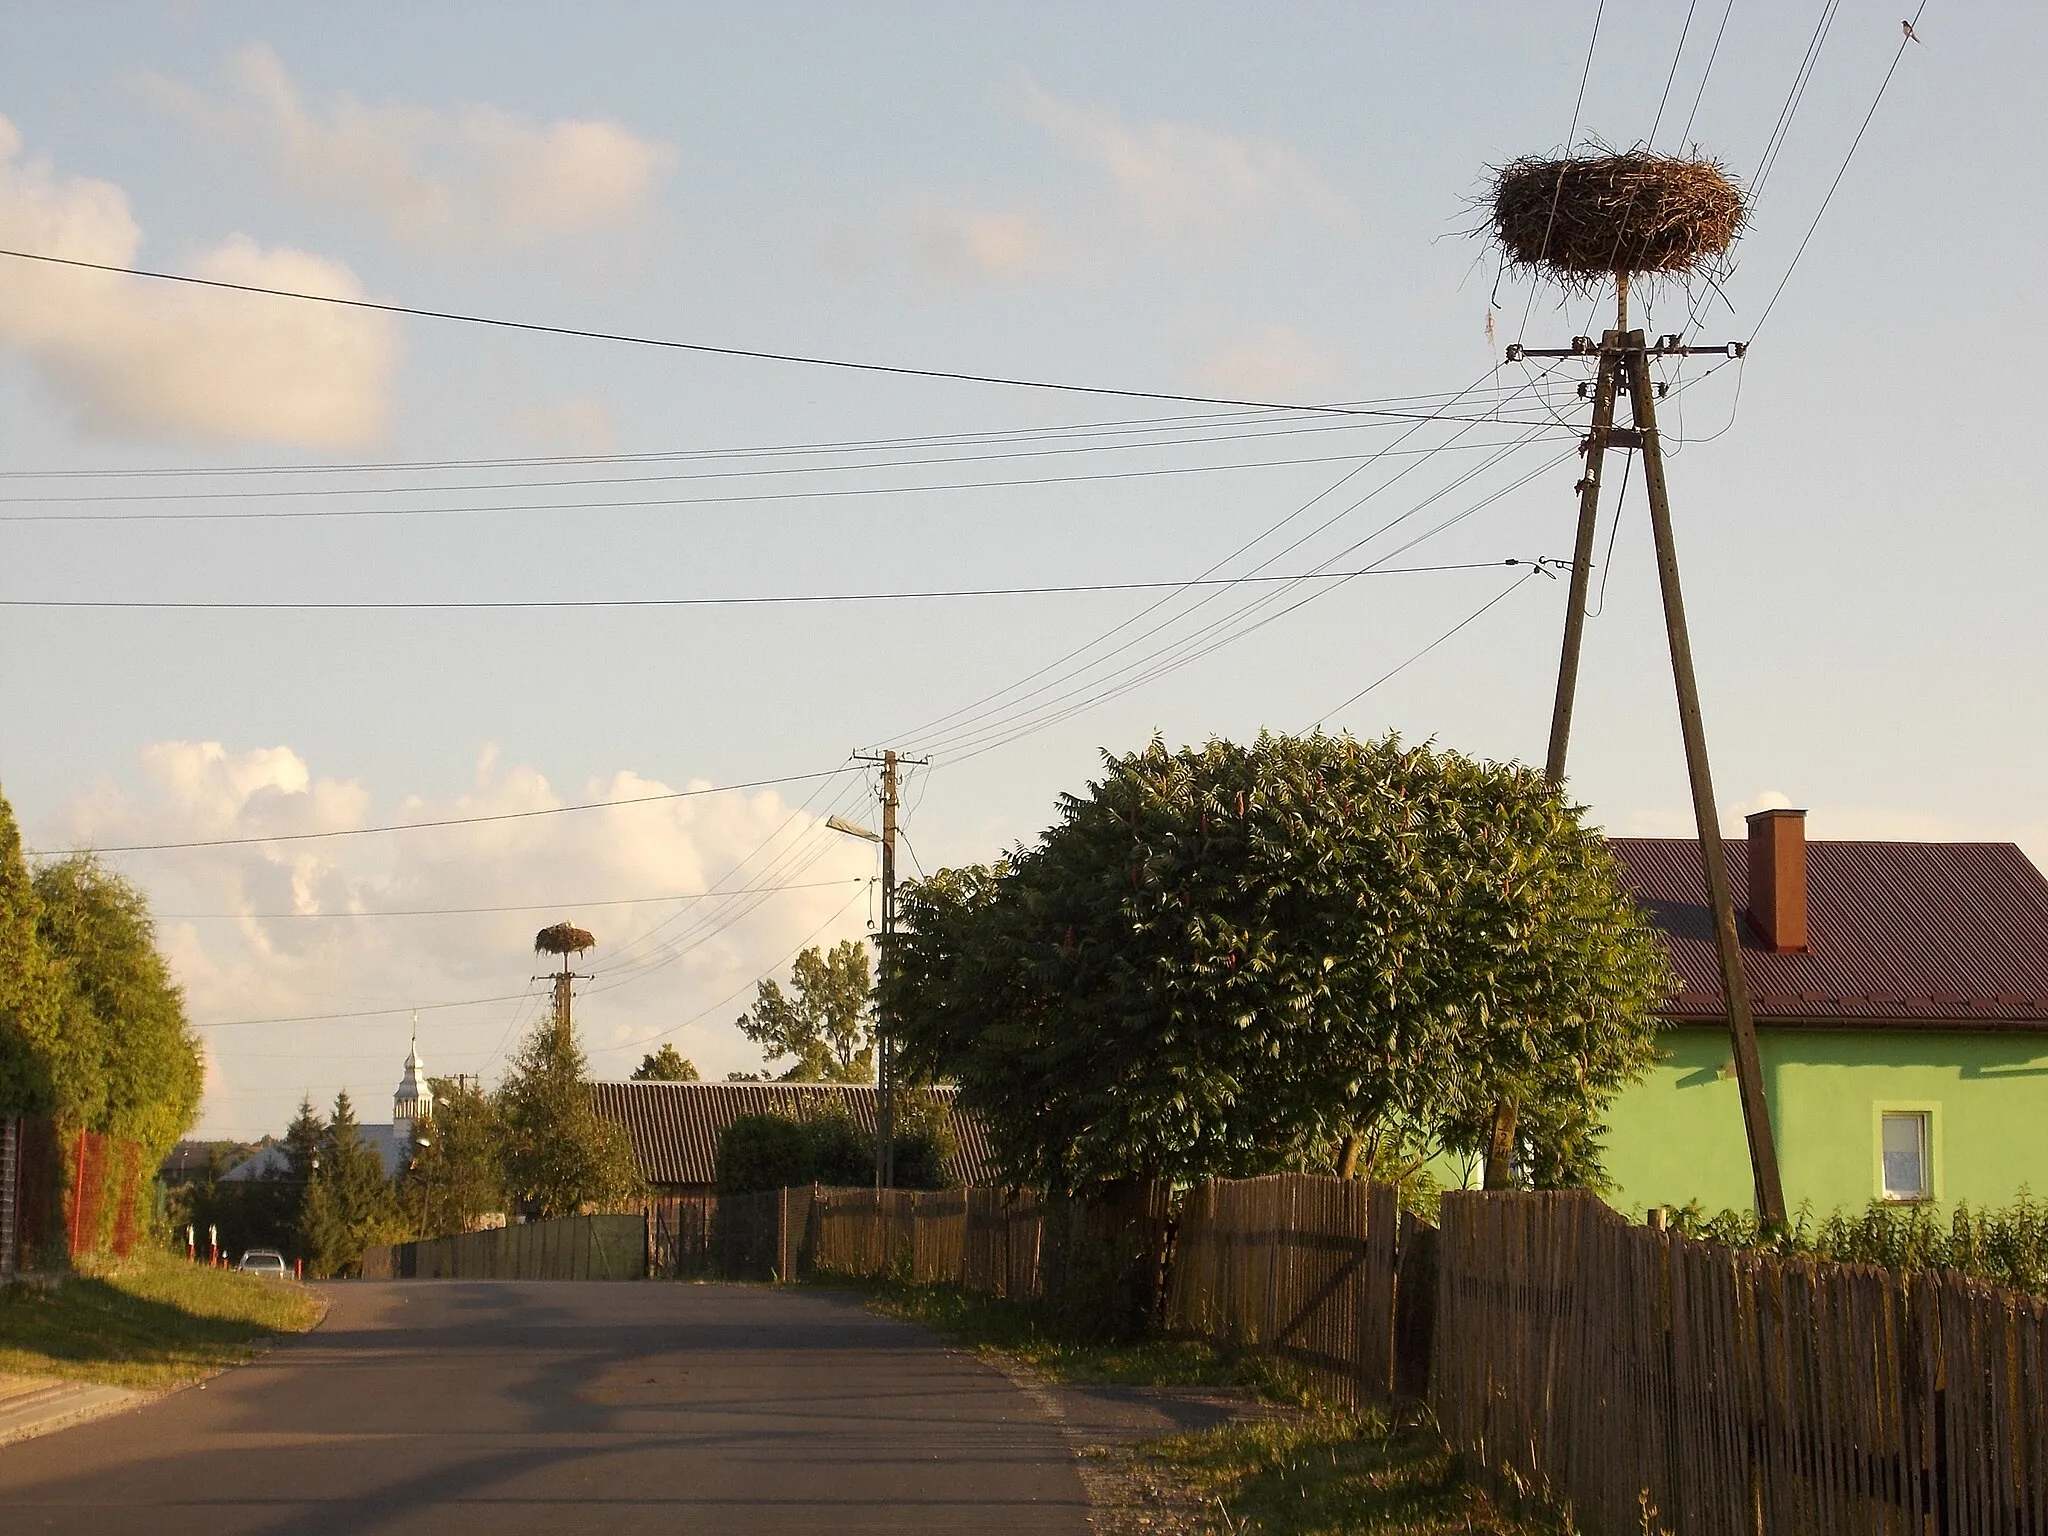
(1901, 999)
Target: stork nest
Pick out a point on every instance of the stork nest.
(1591, 216)
(562, 939)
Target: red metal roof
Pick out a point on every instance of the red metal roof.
(1936, 935)
(674, 1127)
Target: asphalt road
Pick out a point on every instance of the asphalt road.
(450, 1407)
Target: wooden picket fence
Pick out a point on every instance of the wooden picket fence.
(1098, 1256)
(1302, 1266)
(1654, 1383)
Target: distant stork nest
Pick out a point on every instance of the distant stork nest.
(562, 939)
(1592, 216)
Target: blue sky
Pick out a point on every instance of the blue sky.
(1252, 202)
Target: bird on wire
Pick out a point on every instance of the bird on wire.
(1911, 35)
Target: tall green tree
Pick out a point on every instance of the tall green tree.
(349, 1202)
(32, 995)
(561, 1157)
(667, 1065)
(1307, 952)
(457, 1175)
(826, 1020)
(128, 1012)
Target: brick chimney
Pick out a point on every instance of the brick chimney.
(1777, 879)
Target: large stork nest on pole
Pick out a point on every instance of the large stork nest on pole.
(1583, 219)
(562, 939)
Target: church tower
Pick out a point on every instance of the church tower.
(413, 1105)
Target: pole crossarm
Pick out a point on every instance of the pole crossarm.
(1667, 346)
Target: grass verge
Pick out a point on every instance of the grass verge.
(150, 1321)
(1318, 1470)
(1331, 1471)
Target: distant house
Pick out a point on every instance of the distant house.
(674, 1127)
(1901, 999)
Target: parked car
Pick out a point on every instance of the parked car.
(264, 1261)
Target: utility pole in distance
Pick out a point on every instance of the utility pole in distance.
(885, 1048)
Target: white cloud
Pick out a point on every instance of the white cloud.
(1273, 362)
(471, 174)
(136, 357)
(658, 964)
(1180, 177)
(972, 243)
(568, 426)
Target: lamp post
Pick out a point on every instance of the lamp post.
(885, 1120)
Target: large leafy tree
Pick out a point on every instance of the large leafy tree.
(145, 1073)
(1310, 951)
(561, 1156)
(667, 1065)
(457, 1175)
(32, 995)
(825, 1020)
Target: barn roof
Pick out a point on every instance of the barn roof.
(674, 1127)
(1931, 935)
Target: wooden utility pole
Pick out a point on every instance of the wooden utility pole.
(1500, 1148)
(1624, 363)
(885, 1046)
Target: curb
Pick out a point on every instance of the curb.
(31, 1406)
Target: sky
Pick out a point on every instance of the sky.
(1263, 204)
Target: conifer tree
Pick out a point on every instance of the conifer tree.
(561, 1157)
(349, 1203)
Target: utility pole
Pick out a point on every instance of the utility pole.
(564, 996)
(1624, 364)
(885, 1046)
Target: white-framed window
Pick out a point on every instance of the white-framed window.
(1907, 1154)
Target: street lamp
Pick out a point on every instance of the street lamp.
(885, 1087)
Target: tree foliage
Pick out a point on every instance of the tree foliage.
(92, 1029)
(457, 1173)
(825, 1020)
(561, 1157)
(32, 995)
(1234, 959)
(667, 1065)
(349, 1203)
(143, 1079)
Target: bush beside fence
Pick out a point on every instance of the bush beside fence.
(1622, 1370)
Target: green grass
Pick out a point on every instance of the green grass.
(983, 1322)
(151, 1321)
(1317, 1469)
(1331, 1471)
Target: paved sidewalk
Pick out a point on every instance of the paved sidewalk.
(35, 1405)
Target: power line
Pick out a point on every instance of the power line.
(738, 498)
(1706, 74)
(1835, 185)
(451, 821)
(1676, 54)
(698, 348)
(1258, 427)
(1469, 619)
(534, 906)
(920, 595)
(369, 1013)
(987, 704)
